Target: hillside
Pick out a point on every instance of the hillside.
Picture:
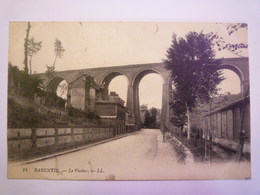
(23, 112)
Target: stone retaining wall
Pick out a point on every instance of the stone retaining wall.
(29, 141)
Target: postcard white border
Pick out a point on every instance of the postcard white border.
(133, 10)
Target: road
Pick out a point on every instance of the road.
(141, 155)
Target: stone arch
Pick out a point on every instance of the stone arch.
(107, 78)
(237, 71)
(135, 85)
(143, 72)
(53, 84)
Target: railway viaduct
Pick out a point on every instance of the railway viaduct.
(134, 74)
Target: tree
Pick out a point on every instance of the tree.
(147, 119)
(215, 103)
(58, 50)
(50, 71)
(179, 118)
(221, 44)
(194, 70)
(153, 116)
(25, 84)
(32, 48)
(26, 47)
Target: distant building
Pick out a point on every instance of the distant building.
(83, 93)
(111, 108)
(86, 94)
(115, 97)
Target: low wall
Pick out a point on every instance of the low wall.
(28, 141)
(232, 145)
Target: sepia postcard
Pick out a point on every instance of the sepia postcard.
(128, 101)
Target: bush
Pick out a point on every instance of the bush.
(53, 100)
(91, 115)
(79, 113)
(75, 112)
(21, 117)
(26, 84)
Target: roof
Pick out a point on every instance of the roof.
(247, 98)
(107, 116)
(93, 82)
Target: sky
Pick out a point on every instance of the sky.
(104, 44)
(152, 84)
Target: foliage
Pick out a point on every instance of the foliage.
(235, 48)
(150, 120)
(53, 100)
(21, 117)
(179, 118)
(153, 114)
(193, 68)
(215, 103)
(147, 119)
(218, 101)
(143, 107)
(235, 27)
(197, 116)
(91, 115)
(13, 74)
(194, 71)
(26, 85)
(58, 50)
(50, 71)
(73, 112)
(32, 48)
(178, 107)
